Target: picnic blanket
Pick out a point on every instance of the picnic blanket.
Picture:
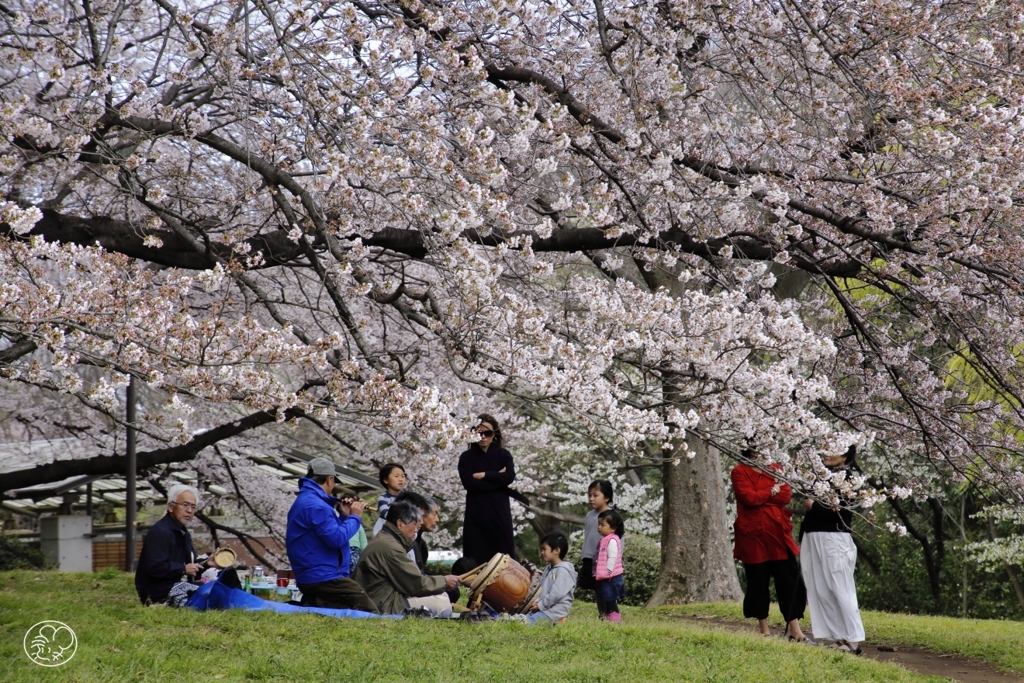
(215, 595)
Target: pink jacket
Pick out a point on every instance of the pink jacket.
(601, 565)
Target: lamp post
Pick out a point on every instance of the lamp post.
(129, 496)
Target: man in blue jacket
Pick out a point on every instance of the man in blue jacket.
(319, 530)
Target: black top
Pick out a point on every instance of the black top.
(166, 550)
(422, 551)
(488, 524)
(821, 518)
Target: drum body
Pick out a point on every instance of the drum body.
(505, 585)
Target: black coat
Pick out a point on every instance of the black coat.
(488, 525)
(166, 550)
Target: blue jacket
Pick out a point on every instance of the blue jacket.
(317, 539)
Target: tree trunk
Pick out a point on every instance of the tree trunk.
(696, 555)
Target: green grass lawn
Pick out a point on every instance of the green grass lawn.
(119, 640)
(999, 642)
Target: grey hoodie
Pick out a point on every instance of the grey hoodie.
(557, 584)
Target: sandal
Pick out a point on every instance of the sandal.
(805, 640)
(844, 646)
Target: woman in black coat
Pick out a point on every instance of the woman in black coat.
(486, 470)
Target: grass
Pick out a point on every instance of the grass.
(999, 642)
(119, 640)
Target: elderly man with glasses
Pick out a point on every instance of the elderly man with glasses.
(167, 568)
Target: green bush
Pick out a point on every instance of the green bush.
(640, 565)
(438, 568)
(17, 555)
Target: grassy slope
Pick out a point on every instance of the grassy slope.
(120, 640)
(1000, 642)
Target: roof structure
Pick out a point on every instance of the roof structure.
(74, 492)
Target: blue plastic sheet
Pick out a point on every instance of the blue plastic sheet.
(215, 595)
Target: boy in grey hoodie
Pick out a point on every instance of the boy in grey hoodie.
(557, 583)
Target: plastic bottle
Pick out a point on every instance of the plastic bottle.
(248, 586)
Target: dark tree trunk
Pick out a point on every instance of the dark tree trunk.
(696, 554)
(933, 553)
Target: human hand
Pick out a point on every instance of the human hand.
(192, 568)
(776, 489)
(808, 504)
(501, 470)
(357, 507)
(533, 608)
(479, 475)
(451, 581)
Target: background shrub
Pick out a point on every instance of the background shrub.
(17, 555)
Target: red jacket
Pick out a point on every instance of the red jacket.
(764, 531)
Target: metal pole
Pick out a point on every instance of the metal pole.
(129, 497)
(88, 499)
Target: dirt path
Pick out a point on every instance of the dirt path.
(954, 667)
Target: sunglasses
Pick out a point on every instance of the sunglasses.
(485, 432)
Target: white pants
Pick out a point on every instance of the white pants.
(439, 605)
(827, 560)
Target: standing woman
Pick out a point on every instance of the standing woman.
(765, 546)
(486, 470)
(828, 557)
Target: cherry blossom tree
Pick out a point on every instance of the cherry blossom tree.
(669, 230)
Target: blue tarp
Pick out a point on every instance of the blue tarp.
(215, 595)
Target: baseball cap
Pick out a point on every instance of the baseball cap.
(322, 467)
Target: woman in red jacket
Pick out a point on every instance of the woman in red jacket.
(765, 546)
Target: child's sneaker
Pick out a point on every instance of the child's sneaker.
(614, 617)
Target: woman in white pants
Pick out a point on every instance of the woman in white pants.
(827, 559)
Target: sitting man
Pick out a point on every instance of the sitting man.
(420, 552)
(167, 568)
(428, 522)
(391, 578)
(317, 540)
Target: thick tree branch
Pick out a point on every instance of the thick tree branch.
(20, 348)
(125, 238)
(116, 464)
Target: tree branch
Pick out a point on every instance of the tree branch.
(22, 347)
(125, 238)
(116, 464)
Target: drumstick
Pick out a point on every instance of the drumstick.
(472, 572)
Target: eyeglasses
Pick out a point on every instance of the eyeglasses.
(187, 506)
(485, 432)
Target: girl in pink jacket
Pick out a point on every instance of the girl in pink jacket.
(610, 585)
